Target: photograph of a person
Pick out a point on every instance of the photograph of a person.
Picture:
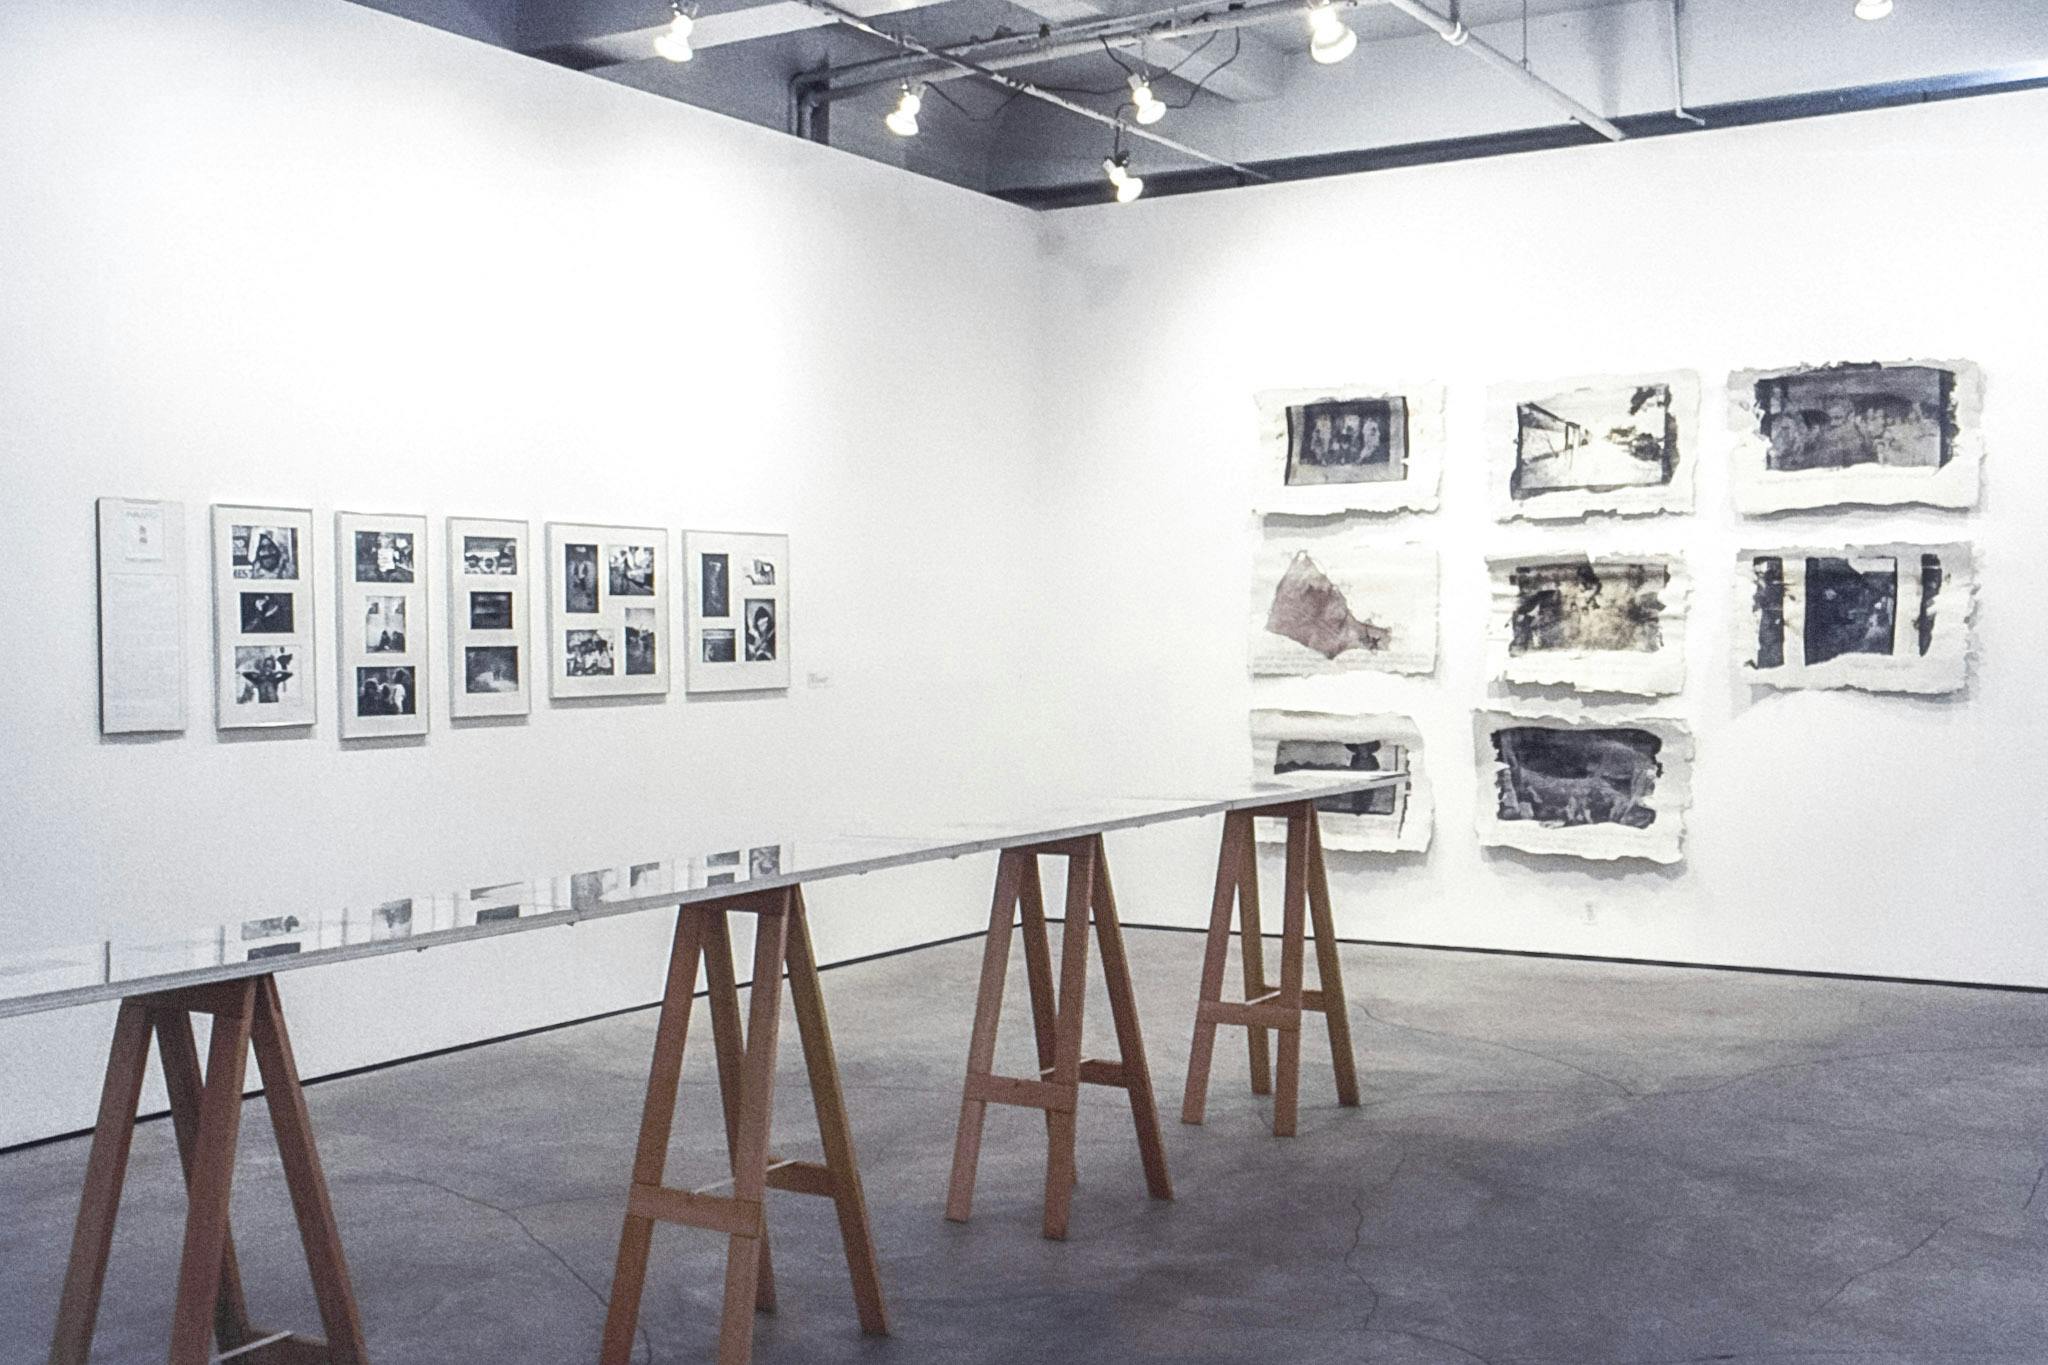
(267, 613)
(265, 551)
(760, 618)
(640, 643)
(765, 861)
(490, 555)
(386, 692)
(717, 578)
(1360, 440)
(762, 573)
(720, 647)
(588, 654)
(579, 578)
(384, 625)
(490, 611)
(1845, 415)
(488, 669)
(632, 570)
(384, 557)
(264, 676)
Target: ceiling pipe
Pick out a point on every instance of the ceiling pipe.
(860, 25)
(1457, 35)
(1678, 108)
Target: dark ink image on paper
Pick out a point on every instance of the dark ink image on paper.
(716, 575)
(270, 926)
(761, 574)
(1769, 601)
(1930, 588)
(1851, 607)
(1899, 416)
(760, 618)
(383, 556)
(264, 551)
(393, 919)
(579, 578)
(489, 669)
(587, 890)
(640, 643)
(1343, 756)
(384, 625)
(720, 647)
(1312, 611)
(386, 692)
(267, 613)
(765, 861)
(1355, 440)
(1578, 605)
(1595, 439)
(1570, 778)
(588, 654)
(490, 611)
(490, 555)
(632, 570)
(264, 675)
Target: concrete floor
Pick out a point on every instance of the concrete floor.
(1557, 1164)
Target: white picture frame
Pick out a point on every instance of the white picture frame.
(736, 601)
(264, 652)
(608, 611)
(381, 629)
(490, 603)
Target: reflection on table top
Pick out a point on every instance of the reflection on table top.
(110, 969)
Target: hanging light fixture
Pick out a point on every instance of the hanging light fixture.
(674, 41)
(1117, 166)
(1873, 10)
(902, 120)
(1330, 38)
(1146, 106)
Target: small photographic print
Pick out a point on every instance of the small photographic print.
(1595, 439)
(383, 556)
(587, 890)
(760, 619)
(1359, 440)
(1835, 418)
(579, 578)
(632, 570)
(765, 861)
(386, 692)
(717, 578)
(271, 926)
(490, 611)
(488, 669)
(720, 647)
(267, 613)
(643, 874)
(490, 555)
(588, 654)
(384, 625)
(265, 551)
(393, 919)
(265, 675)
(640, 644)
(762, 573)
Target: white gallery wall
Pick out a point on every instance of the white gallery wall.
(1834, 831)
(300, 253)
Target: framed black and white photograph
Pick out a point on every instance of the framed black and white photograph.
(1616, 445)
(608, 610)
(1862, 433)
(737, 594)
(1350, 449)
(1599, 623)
(141, 548)
(1585, 787)
(1335, 600)
(263, 618)
(488, 601)
(1883, 618)
(381, 646)
(1306, 748)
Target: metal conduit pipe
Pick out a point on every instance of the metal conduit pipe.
(860, 25)
(1457, 35)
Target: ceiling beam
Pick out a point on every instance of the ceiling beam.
(615, 46)
(1254, 75)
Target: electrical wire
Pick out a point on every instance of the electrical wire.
(1236, 46)
(969, 114)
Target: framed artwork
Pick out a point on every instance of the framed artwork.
(1584, 787)
(1873, 434)
(736, 595)
(1600, 623)
(1622, 445)
(142, 616)
(1883, 618)
(382, 636)
(1331, 600)
(1350, 449)
(489, 659)
(1308, 747)
(263, 617)
(609, 608)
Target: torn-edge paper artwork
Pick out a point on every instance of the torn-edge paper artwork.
(1884, 618)
(1350, 449)
(1308, 747)
(1600, 623)
(1331, 600)
(1878, 435)
(1588, 788)
(1619, 445)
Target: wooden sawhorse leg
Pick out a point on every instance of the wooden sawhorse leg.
(1056, 1020)
(206, 1111)
(746, 1075)
(1306, 901)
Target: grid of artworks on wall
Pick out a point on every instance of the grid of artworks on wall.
(1580, 750)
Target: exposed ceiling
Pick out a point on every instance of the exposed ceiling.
(1244, 100)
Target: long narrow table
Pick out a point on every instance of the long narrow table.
(229, 972)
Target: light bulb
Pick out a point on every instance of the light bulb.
(1873, 10)
(1146, 106)
(674, 43)
(1128, 186)
(902, 120)
(1332, 39)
